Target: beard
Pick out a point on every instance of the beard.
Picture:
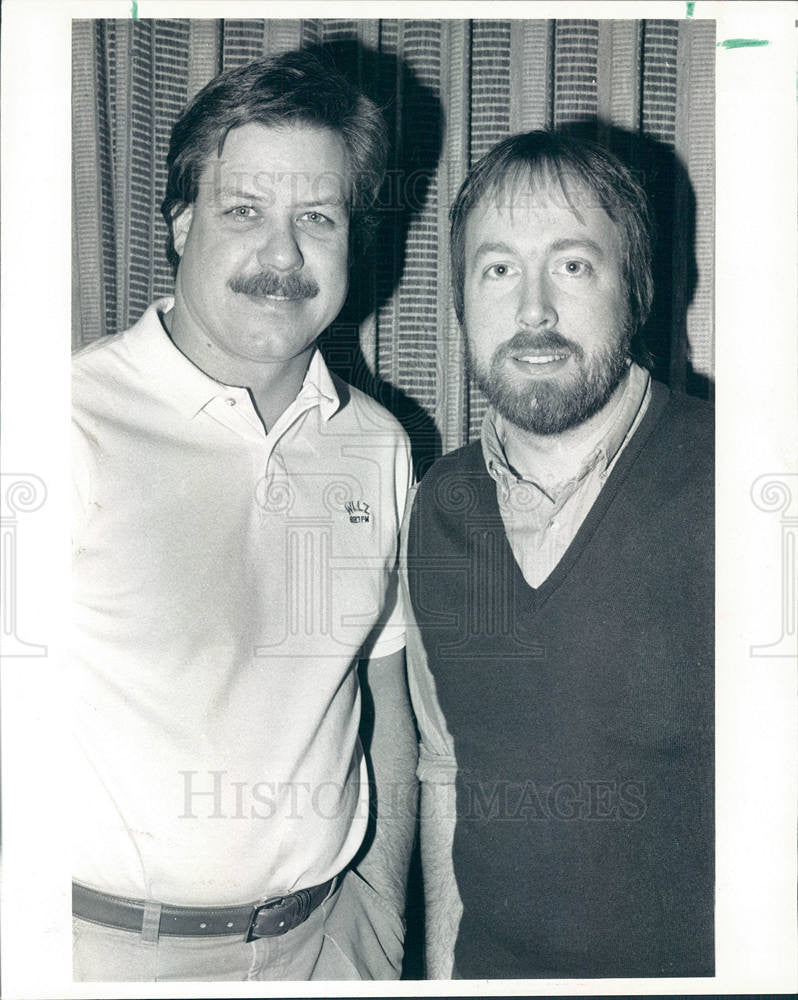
(542, 405)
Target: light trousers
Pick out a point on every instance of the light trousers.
(352, 935)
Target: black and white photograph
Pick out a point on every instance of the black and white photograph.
(400, 499)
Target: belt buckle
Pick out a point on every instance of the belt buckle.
(268, 905)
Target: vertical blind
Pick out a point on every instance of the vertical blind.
(450, 89)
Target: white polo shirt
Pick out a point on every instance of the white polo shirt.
(226, 581)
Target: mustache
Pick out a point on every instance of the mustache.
(548, 341)
(258, 286)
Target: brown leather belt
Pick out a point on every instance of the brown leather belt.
(271, 918)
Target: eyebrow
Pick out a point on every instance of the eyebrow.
(567, 243)
(249, 195)
(238, 192)
(490, 247)
(581, 242)
(340, 201)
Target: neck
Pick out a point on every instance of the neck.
(552, 459)
(273, 385)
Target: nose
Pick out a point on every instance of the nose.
(279, 250)
(536, 308)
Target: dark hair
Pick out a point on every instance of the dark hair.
(549, 155)
(295, 88)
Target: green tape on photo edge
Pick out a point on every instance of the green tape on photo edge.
(742, 43)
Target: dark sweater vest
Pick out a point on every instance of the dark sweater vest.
(581, 713)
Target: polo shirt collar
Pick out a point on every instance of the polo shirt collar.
(318, 387)
(190, 389)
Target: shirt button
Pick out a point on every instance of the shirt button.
(230, 401)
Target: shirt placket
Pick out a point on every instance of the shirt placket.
(275, 488)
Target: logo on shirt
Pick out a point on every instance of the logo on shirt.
(358, 511)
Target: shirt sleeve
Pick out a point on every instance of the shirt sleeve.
(436, 760)
(389, 635)
(83, 461)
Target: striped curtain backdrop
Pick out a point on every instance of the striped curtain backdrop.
(450, 89)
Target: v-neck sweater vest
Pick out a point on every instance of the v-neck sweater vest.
(581, 712)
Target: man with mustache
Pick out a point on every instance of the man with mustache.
(238, 509)
(560, 571)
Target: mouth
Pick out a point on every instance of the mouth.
(539, 363)
(540, 359)
(260, 297)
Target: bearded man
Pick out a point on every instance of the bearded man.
(560, 571)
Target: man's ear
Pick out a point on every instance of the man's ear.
(181, 223)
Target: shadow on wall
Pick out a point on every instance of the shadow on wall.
(415, 133)
(673, 208)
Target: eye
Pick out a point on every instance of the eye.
(497, 271)
(316, 218)
(576, 268)
(242, 212)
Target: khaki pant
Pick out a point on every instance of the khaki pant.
(352, 935)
